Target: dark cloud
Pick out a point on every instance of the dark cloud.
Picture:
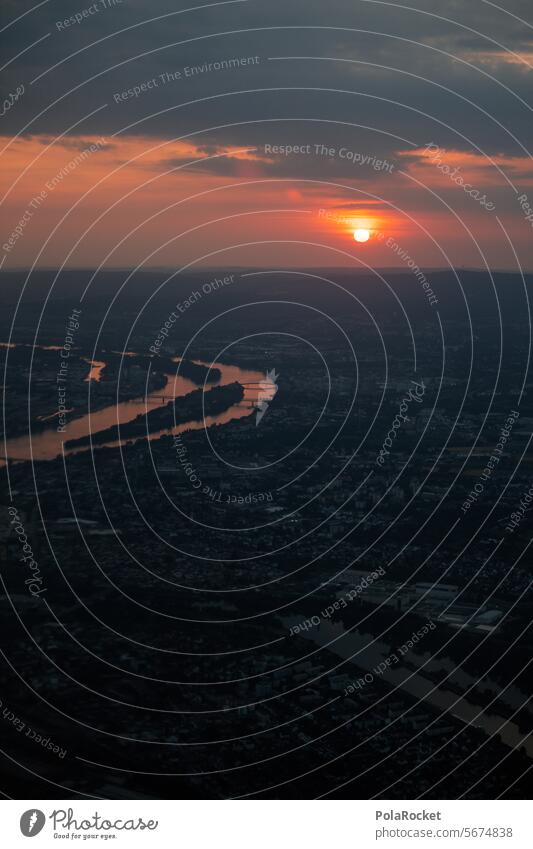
(392, 78)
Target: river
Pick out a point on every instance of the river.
(366, 658)
(47, 445)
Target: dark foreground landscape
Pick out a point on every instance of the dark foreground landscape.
(326, 591)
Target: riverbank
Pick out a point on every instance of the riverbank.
(191, 407)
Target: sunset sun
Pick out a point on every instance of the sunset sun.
(361, 235)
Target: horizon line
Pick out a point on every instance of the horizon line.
(303, 268)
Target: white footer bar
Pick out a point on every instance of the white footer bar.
(257, 824)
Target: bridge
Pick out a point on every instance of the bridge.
(259, 384)
(263, 384)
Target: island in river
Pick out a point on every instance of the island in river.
(89, 383)
(191, 407)
(199, 373)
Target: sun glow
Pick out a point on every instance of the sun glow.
(361, 235)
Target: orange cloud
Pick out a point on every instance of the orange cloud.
(474, 166)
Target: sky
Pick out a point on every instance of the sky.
(247, 133)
